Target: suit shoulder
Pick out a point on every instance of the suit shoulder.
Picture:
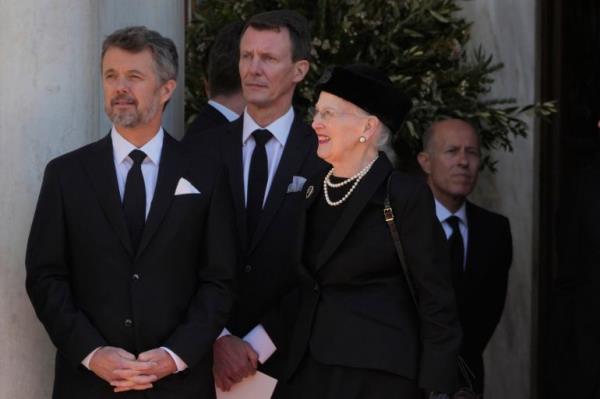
(72, 158)
(487, 216)
(404, 184)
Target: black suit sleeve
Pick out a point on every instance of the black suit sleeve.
(209, 310)
(427, 259)
(48, 279)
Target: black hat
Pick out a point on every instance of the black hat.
(369, 89)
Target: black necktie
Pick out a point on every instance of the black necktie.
(457, 247)
(134, 199)
(257, 180)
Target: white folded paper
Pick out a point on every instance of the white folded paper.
(258, 386)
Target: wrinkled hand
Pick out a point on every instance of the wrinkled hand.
(161, 365)
(117, 366)
(234, 360)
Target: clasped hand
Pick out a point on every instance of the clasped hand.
(234, 360)
(125, 372)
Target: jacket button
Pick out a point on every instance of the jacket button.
(128, 323)
(247, 268)
(135, 276)
(316, 287)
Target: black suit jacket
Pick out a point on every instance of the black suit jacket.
(208, 118)
(90, 289)
(482, 294)
(356, 308)
(265, 275)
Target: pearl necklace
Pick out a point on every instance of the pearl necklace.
(356, 178)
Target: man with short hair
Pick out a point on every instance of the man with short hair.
(129, 259)
(226, 101)
(269, 152)
(480, 241)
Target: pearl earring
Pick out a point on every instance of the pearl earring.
(362, 139)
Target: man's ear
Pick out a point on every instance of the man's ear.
(166, 90)
(206, 87)
(424, 161)
(300, 70)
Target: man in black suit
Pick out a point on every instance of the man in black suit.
(480, 241)
(226, 101)
(131, 252)
(269, 152)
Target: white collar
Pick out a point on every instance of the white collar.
(122, 147)
(443, 213)
(226, 112)
(280, 128)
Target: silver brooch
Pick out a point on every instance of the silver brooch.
(309, 191)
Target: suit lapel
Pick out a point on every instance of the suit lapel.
(100, 167)
(170, 170)
(295, 151)
(473, 238)
(233, 157)
(356, 203)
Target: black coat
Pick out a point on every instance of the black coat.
(265, 274)
(208, 118)
(483, 292)
(90, 289)
(356, 308)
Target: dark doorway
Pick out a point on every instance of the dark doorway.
(570, 67)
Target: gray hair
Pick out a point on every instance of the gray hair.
(384, 142)
(139, 38)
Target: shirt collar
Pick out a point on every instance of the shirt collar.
(280, 128)
(122, 147)
(226, 112)
(443, 213)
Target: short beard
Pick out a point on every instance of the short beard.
(132, 119)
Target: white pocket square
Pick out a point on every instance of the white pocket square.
(185, 187)
(297, 184)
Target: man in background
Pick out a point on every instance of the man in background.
(269, 153)
(479, 240)
(226, 102)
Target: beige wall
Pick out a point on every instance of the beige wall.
(508, 29)
(51, 103)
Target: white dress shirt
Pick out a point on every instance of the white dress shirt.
(443, 214)
(153, 150)
(226, 112)
(280, 129)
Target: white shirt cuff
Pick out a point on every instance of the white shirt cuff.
(178, 361)
(261, 343)
(88, 358)
(224, 333)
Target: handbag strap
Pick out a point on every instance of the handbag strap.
(388, 213)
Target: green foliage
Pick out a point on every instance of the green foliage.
(420, 44)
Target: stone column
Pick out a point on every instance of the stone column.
(508, 30)
(50, 104)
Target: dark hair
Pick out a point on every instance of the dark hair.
(296, 25)
(223, 61)
(139, 38)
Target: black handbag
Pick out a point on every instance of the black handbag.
(464, 392)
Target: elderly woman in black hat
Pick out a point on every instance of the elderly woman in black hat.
(359, 334)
